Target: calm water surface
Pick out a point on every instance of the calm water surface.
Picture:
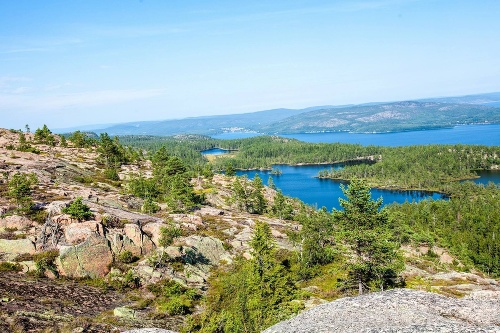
(215, 151)
(488, 135)
(487, 176)
(300, 182)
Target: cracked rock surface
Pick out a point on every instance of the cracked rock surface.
(399, 310)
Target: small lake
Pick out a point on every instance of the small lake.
(215, 151)
(300, 182)
(488, 135)
(487, 176)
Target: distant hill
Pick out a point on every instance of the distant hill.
(371, 117)
(482, 99)
(205, 125)
(390, 117)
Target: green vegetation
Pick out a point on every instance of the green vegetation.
(173, 298)
(45, 262)
(44, 135)
(168, 234)
(248, 195)
(468, 224)
(26, 146)
(82, 139)
(170, 184)
(6, 266)
(126, 257)
(78, 210)
(429, 167)
(252, 294)
(366, 229)
(20, 189)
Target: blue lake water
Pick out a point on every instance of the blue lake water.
(488, 135)
(215, 151)
(300, 182)
(487, 176)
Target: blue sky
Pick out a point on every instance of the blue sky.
(68, 63)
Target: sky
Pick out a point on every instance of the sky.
(70, 63)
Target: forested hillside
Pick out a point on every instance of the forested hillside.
(377, 117)
(390, 117)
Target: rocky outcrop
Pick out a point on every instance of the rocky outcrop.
(400, 310)
(207, 250)
(189, 221)
(132, 239)
(92, 258)
(78, 232)
(153, 229)
(55, 207)
(9, 249)
(16, 222)
(120, 243)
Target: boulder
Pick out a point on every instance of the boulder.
(92, 258)
(210, 211)
(139, 238)
(124, 312)
(153, 229)
(133, 232)
(55, 207)
(78, 232)
(208, 250)
(9, 249)
(120, 242)
(17, 222)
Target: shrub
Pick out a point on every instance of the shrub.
(127, 257)
(45, 261)
(150, 207)
(20, 189)
(177, 305)
(168, 234)
(78, 210)
(10, 267)
(111, 174)
(125, 281)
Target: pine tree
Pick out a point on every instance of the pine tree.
(376, 261)
(230, 172)
(19, 186)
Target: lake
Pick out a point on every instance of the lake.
(215, 151)
(487, 176)
(488, 135)
(300, 182)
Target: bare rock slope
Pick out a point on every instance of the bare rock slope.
(400, 310)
